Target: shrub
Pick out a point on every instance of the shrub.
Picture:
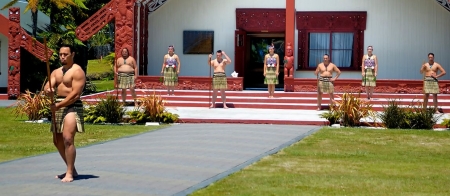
(154, 110)
(332, 116)
(34, 105)
(352, 109)
(108, 110)
(446, 122)
(412, 116)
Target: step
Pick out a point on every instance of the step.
(141, 92)
(4, 97)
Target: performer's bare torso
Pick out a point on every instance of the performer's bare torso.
(326, 70)
(125, 66)
(219, 66)
(63, 82)
(431, 70)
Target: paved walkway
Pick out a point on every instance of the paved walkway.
(173, 161)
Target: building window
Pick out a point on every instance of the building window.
(338, 34)
(338, 45)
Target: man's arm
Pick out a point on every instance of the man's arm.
(135, 67)
(338, 72)
(228, 58)
(209, 59)
(317, 70)
(442, 71)
(422, 68)
(47, 85)
(78, 81)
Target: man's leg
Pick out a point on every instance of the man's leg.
(70, 127)
(133, 93)
(124, 95)
(425, 100)
(62, 151)
(224, 99)
(214, 96)
(319, 100)
(331, 99)
(435, 103)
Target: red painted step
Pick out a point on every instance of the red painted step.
(4, 96)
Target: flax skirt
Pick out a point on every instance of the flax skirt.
(170, 76)
(271, 76)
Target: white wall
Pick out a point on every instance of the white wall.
(402, 32)
(166, 26)
(3, 61)
(25, 17)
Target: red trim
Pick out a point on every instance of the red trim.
(257, 20)
(330, 22)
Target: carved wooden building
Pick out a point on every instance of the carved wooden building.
(402, 33)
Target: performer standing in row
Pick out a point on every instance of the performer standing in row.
(219, 76)
(430, 83)
(171, 69)
(326, 80)
(271, 70)
(369, 71)
(69, 81)
(126, 70)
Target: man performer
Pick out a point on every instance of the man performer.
(326, 80)
(430, 82)
(219, 76)
(69, 81)
(126, 70)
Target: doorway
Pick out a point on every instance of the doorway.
(257, 48)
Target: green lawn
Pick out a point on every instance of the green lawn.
(19, 139)
(349, 162)
(104, 85)
(94, 66)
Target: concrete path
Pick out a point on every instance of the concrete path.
(173, 161)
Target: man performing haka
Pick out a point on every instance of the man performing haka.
(430, 82)
(126, 70)
(326, 79)
(219, 76)
(69, 81)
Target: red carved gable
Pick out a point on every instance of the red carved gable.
(261, 20)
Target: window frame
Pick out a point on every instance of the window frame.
(330, 50)
(327, 22)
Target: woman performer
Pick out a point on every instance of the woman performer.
(271, 70)
(171, 69)
(369, 71)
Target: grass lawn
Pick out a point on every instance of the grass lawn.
(104, 85)
(19, 139)
(94, 66)
(349, 162)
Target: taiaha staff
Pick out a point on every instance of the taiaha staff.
(210, 84)
(50, 89)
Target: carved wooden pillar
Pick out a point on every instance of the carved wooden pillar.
(289, 40)
(144, 66)
(141, 38)
(125, 26)
(14, 53)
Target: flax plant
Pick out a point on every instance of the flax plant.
(352, 109)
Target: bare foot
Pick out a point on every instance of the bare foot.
(212, 106)
(225, 106)
(61, 176)
(318, 109)
(67, 178)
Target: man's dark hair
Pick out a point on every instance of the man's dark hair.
(71, 48)
(431, 54)
(327, 55)
(219, 51)
(126, 49)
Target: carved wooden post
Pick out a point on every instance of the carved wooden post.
(14, 53)
(290, 38)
